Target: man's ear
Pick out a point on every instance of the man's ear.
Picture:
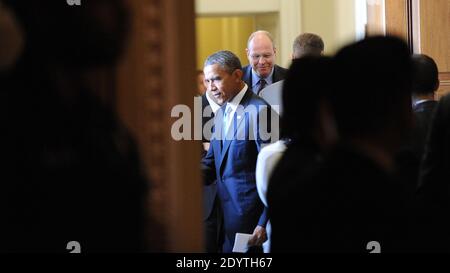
(238, 74)
(247, 52)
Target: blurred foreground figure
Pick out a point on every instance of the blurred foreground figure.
(70, 170)
(307, 132)
(354, 200)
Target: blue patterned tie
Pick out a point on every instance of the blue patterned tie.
(262, 84)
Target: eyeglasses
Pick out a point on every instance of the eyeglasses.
(256, 57)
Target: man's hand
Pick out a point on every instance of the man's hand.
(259, 236)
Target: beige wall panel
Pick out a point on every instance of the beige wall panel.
(435, 36)
(223, 33)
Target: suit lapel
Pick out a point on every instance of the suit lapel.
(217, 146)
(276, 74)
(231, 134)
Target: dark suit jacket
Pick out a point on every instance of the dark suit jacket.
(341, 207)
(423, 113)
(410, 155)
(298, 160)
(436, 164)
(233, 165)
(434, 186)
(279, 73)
(205, 118)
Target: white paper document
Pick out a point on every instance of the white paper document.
(241, 242)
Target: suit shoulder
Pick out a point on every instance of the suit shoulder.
(279, 73)
(281, 70)
(246, 69)
(257, 100)
(247, 77)
(251, 100)
(274, 87)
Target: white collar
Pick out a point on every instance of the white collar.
(234, 103)
(420, 101)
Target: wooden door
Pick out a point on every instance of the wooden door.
(434, 39)
(424, 24)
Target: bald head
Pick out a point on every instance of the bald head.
(260, 35)
(261, 52)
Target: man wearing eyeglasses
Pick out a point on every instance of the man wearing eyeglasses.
(262, 70)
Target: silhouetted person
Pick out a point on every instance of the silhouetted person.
(308, 131)
(434, 186)
(306, 44)
(70, 170)
(425, 84)
(354, 198)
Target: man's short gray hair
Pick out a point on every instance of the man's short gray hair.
(225, 59)
(308, 44)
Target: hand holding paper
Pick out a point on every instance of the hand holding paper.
(241, 242)
(259, 236)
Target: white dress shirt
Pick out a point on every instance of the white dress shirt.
(233, 104)
(268, 159)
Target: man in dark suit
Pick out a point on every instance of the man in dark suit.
(425, 84)
(434, 186)
(242, 126)
(309, 131)
(262, 70)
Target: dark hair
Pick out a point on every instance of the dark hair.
(373, 85)
(225, 59)
(425, 75)
(308, 44)
(308, 80)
